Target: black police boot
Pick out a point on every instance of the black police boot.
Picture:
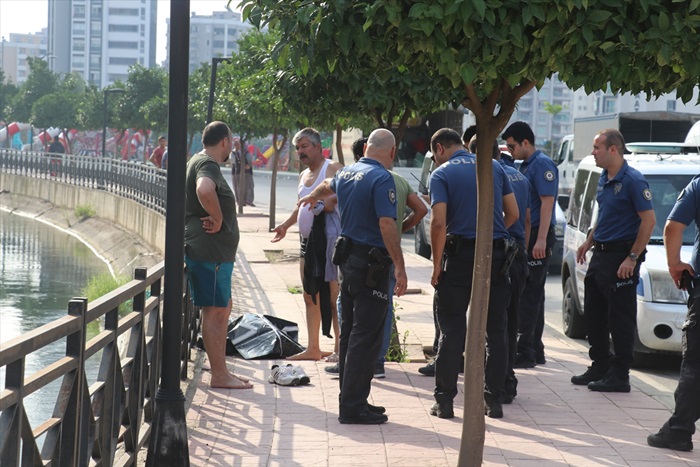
(376, 409)
(428, 370)
(611, 383)
(492, 406)
(444, 410)
(664, 439)
(522, 362)
(363, 418)
(593, 373)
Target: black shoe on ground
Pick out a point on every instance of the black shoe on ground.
(427, 370)
(663, 439)
(364, 418)
(379, 371)
(540, 360)
(444, 410)
(378, 409)
(493, 409)
(610, 384)
(332, 369)
(522, 362)
(592, 374)
(508, 398)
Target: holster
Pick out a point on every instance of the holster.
(511, 251)
(693, 287)
(377, 268)
(341, 250)
(453, 243)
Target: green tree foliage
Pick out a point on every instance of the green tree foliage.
(7, 94)
(40, 82)
(136, 109)
(492, 52)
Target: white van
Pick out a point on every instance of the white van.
(661, 307)
(564, 160)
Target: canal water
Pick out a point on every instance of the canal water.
(41, 269)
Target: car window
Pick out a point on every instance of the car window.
(588, 203)
(577, 197)
(665, 190)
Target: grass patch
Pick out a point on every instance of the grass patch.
(103, 284)
(397, 348)
(294, 290)
(84, 211)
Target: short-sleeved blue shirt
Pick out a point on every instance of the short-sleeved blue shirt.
(686, 210)
(521, 189)
(454, 183)
(619, 202)
(544, 181)
(366, 192)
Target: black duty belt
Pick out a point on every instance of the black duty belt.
(359, 249)
(471, 242)
(613, 247)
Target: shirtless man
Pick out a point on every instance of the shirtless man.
(308, 146)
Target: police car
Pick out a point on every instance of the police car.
(661, 307)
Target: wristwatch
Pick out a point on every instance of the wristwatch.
(634, 257)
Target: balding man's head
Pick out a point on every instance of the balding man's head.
(381, 146)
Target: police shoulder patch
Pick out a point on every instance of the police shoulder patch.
(647, 194)
(549, 175)
(392, 196)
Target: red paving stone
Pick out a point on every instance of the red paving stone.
(550, 423)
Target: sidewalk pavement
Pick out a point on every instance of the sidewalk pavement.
(550, 423)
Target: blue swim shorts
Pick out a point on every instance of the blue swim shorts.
(210, 282)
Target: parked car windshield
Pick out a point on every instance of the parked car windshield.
(665, 189)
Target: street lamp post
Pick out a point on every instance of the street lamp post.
(104, 117)
(212, 85)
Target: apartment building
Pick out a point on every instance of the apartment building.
(214, 35)
(101, 39)
(14, 54)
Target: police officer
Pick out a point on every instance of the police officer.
(369, 243)
(677, 432)
(453, 230)
(619, 238)
(542, 174)
(518, 271)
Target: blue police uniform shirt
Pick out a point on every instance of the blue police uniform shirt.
(454, 183)
(521, 189)
(619, 202)
(366, 192)
(686, 210)
(544, 181)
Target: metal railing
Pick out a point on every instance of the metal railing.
(105, 419)
(139, 182)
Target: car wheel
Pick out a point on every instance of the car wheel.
(573, 323)
(421, 246)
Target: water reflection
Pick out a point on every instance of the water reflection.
(41, 269)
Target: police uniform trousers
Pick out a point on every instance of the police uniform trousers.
(610, 308)
(452, 297)
(518, 273)
(687, 394)
(361, 328)
(531, 313)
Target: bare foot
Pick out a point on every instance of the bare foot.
(242, 378)
(230, 381)
(307, 355)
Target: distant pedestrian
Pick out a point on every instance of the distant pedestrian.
(211, 241)
(678, 431)
(156, 157)
(619, 238)
(56, 146)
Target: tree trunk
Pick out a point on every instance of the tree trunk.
(488, 126)
(145, 147)
(339, 143)
(273, 182)
(242, 177)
